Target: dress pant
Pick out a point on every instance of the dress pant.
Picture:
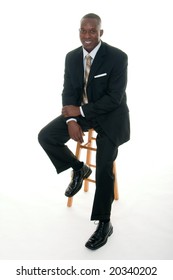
(53, 138)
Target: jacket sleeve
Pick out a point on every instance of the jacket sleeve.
(69, 96)
(68, 92)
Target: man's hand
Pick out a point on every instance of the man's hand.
(75, 131)
(70, 111)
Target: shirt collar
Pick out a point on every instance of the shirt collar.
(93, 52)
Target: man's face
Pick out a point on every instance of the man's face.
(90, 33)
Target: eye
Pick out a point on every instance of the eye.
(92, 31)
(82, 31)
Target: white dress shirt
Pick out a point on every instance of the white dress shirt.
(92, 54)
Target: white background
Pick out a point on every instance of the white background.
(35, 222)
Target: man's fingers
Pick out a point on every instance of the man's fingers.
(81, 139)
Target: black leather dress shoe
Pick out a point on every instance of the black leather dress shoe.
(77, 180)
(100, 236)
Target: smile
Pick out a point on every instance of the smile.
(87, 42)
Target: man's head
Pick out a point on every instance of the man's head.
(90, 31)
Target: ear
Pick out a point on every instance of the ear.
(101, 32)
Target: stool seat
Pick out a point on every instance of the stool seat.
(90, 146)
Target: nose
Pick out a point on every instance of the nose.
(87, 35)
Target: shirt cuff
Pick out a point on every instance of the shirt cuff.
(72, 119)
(81, 111)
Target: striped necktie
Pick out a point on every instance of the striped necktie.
(86, 75)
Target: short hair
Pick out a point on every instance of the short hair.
(92, 15)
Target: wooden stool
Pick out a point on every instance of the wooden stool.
(90, 146)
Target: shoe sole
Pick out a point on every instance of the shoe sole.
(87, 174)
(103, 243)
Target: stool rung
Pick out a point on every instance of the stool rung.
(92, 165)
(90, 180)
(87, 147)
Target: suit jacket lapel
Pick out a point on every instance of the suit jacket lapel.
(98, 61)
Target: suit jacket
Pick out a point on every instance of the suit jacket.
(106, 90)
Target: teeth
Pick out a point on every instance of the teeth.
(87, 42)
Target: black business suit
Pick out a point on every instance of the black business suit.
(106, 112)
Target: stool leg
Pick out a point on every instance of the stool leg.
(86, 185)
(78, 150)
(69, 201)
(88, 161)
(88, 158)
(116, 195)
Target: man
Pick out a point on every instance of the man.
(93, 97)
